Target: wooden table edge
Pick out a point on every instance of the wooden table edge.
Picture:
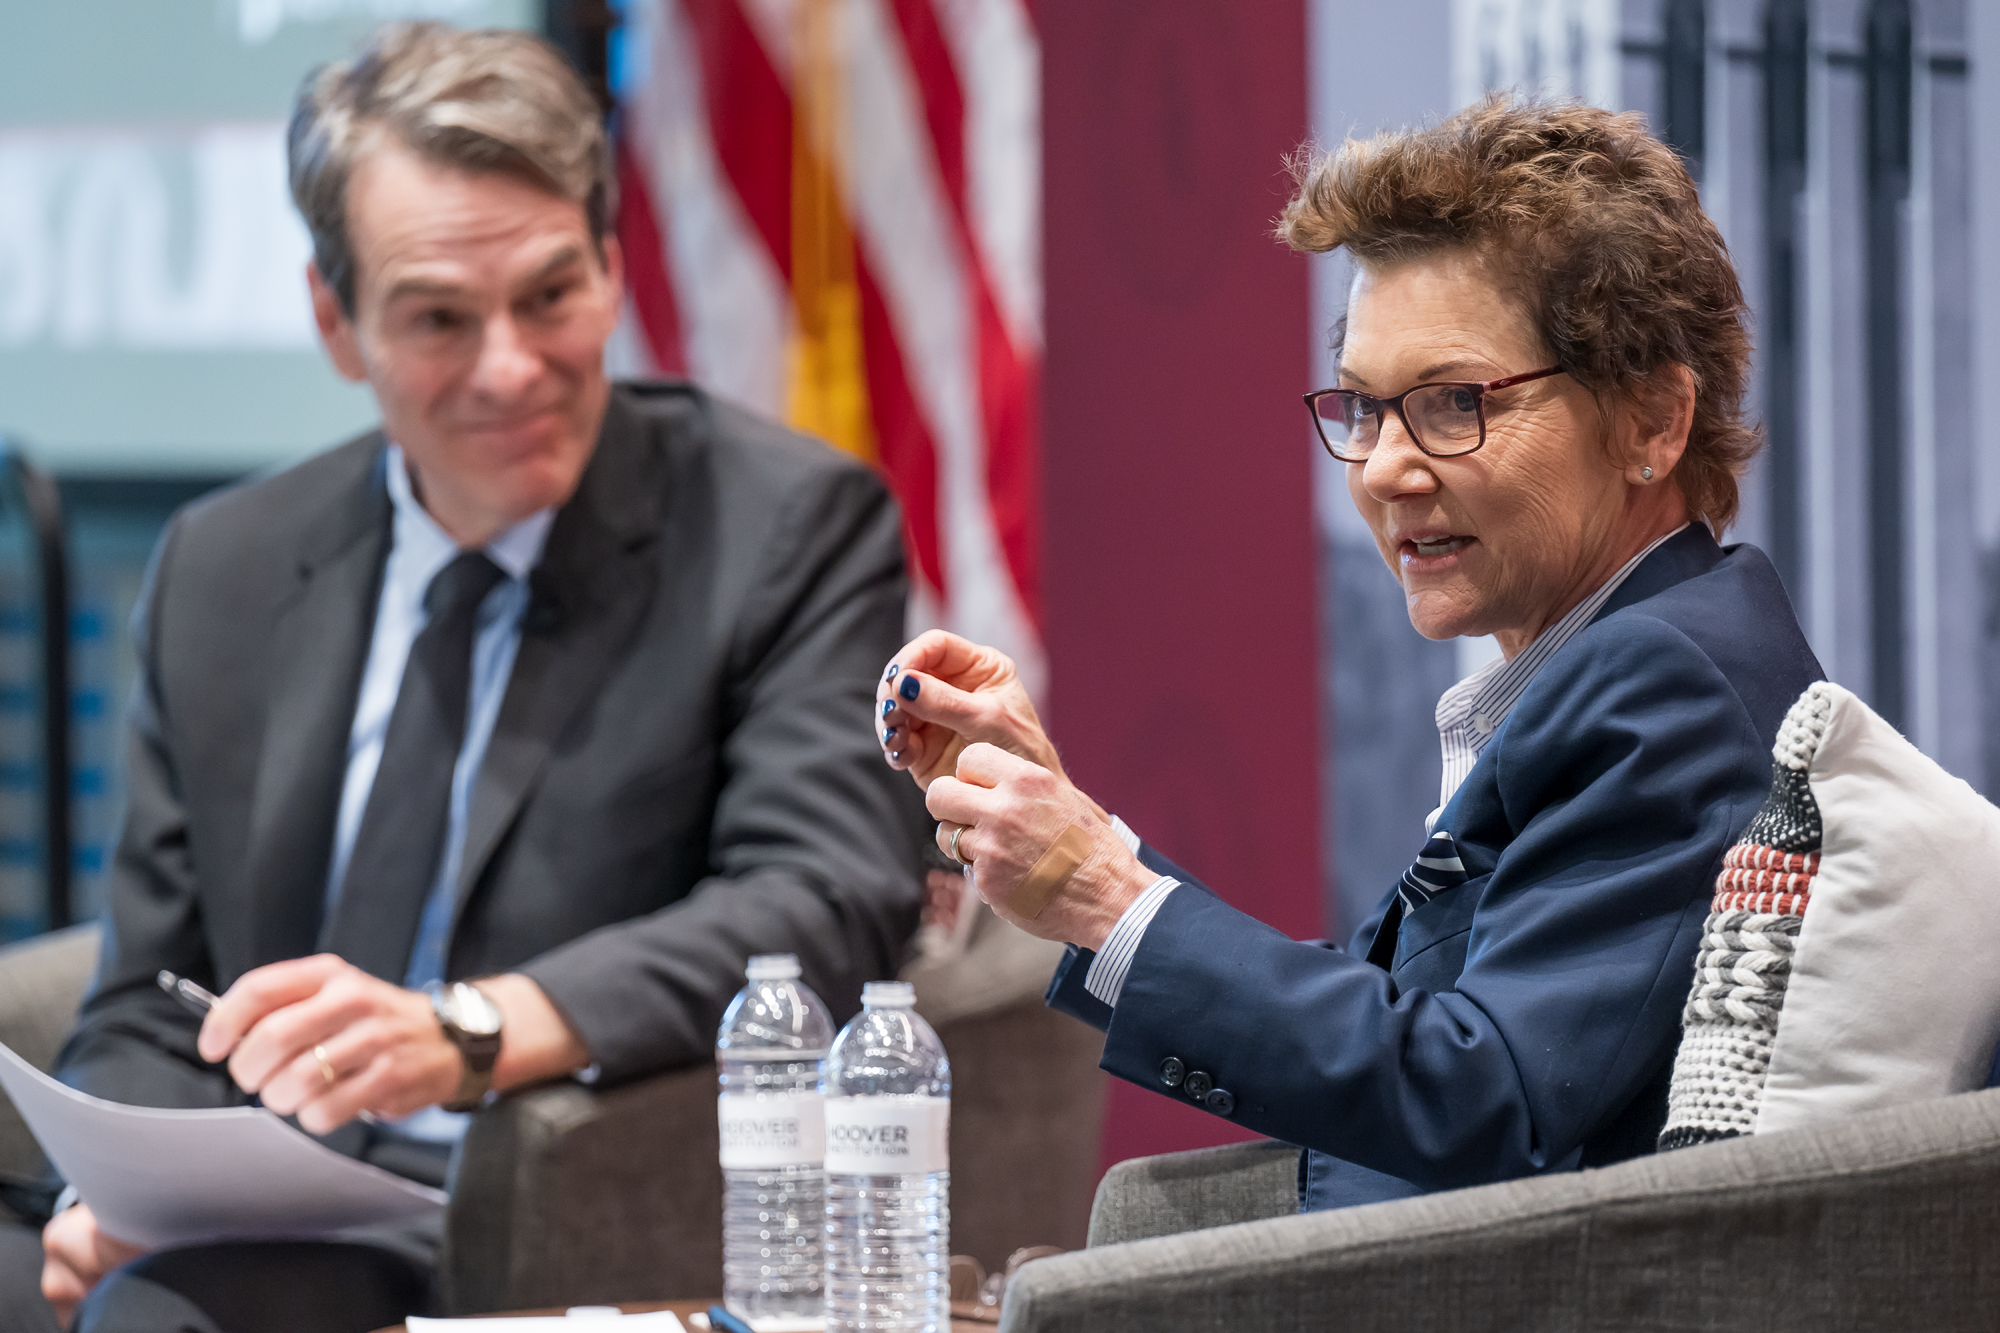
(680, 1308)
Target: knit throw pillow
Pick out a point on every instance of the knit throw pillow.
(1846, 963)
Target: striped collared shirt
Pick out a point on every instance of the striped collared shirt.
(1471, 711)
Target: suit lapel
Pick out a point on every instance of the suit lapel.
(1382, 949)
(590, 592)
(319, 645)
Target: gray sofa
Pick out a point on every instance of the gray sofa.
(1884, 1221)
(563, 1195)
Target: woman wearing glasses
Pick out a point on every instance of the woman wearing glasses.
(1539, 410)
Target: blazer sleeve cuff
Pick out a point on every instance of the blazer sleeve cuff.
(1066, 993)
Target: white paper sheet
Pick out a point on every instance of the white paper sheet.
(659, 1321)
(162, 1177)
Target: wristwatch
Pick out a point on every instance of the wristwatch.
(472, 1023)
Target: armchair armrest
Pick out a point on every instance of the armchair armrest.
(1882, 1220)
(1190, 1191)
(42, 982)
(566, 1195)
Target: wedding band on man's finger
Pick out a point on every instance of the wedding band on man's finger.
(325, 1066)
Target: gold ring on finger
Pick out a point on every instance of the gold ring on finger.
(954, 845)
(325, 1066)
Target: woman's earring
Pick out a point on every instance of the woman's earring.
(1645, 474)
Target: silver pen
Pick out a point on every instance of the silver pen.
(189, 994)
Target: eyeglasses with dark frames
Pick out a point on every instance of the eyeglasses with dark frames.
(1445, 418)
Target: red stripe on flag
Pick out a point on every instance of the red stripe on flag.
(944, 99)
(640, 237)
(750, 120)
(1009, 389)
(903, 444)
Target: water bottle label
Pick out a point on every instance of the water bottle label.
(760, 1133)
(874, 1136)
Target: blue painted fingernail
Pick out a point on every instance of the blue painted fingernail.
(895, 756)
(888, 707)
(890, 674)
(888, 734)
(908, 689)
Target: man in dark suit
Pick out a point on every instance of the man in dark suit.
(549, 686)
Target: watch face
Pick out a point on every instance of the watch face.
(468, 1007)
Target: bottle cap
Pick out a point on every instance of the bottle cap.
(888, 995)
(773, 967)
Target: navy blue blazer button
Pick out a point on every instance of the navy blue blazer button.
(1198, 1083)
(1220, 1101)
(1172, 1071)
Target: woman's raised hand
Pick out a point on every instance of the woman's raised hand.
(1036, 848)
(943, 693)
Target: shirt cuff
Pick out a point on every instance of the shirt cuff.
(1106, 978)
(1125, 834)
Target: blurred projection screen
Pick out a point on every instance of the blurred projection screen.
(153, 312)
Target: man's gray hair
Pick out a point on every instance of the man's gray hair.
(487, 101)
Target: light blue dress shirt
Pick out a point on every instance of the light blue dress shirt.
(419, 549)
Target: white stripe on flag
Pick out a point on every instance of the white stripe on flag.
(735, 308)
(902, 221)
(999, 63)
(776, 23)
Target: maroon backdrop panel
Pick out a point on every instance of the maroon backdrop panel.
(1180, 577)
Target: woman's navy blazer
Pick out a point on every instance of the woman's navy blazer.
(1526, 1019)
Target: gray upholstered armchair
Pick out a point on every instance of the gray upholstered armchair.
(1889, 1220)
(564, 1195)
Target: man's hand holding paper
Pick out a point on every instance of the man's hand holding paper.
(322, 1040)
(75, 1254)
(154, 1178)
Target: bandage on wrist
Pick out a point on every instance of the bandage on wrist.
(1050, 872)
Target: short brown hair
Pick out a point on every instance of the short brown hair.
(494, 100)
(1598, 229)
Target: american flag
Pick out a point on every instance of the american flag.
(831, 212)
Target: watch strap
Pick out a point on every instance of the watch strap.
(478, 1052)
(473, 1085)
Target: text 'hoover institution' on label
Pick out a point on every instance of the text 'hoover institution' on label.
(887, 1135)
(780, 1129)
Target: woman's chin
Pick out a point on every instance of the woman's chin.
(1441, 617)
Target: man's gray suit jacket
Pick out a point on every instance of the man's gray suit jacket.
(683, 772)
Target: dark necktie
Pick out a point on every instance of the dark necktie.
(396, 852)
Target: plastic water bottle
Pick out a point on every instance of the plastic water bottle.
(771, 1061)
(888, 1170)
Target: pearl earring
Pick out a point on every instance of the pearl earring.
(1645, 474)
